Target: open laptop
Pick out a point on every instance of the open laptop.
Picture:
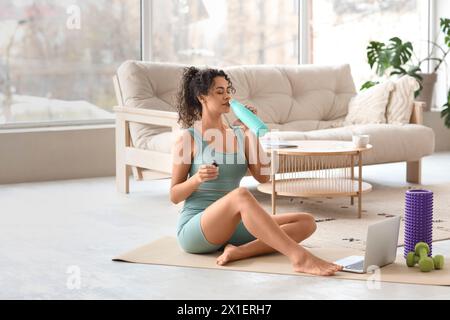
(381, 247)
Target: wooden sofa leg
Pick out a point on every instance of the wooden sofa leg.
(122, 178)
(413, 171)
(122, 169)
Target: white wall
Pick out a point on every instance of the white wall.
(441, 132)
(432, 119)
(57, 153)
(442, 10)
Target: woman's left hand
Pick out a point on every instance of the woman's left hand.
(238, 122)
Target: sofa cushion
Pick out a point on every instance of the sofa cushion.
(391, 142)
(161, 142)
(401, 101)
(369, 106)
(150, 86)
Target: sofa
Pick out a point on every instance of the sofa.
(301, 102)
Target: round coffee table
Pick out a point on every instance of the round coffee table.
(321, 168)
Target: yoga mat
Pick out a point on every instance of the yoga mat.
(165, 251)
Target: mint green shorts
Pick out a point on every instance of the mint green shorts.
(191, 238)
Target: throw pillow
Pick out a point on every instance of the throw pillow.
(401, 102)
(369, 106)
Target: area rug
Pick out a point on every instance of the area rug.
(337, 222)
(165, 251)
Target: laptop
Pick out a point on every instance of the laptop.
(381, 247)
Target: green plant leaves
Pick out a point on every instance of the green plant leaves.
(398, 70)
(377, 54)
(446, 115)
(395, 55)
(401, 52)
(368, 84)
(445, 27)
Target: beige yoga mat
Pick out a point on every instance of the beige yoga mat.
(166, 251)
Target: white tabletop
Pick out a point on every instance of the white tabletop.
(315, 147)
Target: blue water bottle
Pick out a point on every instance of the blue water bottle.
(251, 120)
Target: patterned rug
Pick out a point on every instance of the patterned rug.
(337, 222)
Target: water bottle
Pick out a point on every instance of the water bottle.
(251, 120)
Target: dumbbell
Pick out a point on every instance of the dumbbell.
(426, 264)
(411, 259)
(414, 257)
(438, 261)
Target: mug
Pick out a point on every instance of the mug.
(360, 140)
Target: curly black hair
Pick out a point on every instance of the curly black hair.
(195, 82)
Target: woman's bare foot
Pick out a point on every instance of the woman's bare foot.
(230, 253)
(308, 263)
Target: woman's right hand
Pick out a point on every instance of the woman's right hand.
(207, 172)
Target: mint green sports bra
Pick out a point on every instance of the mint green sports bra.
(232, 167)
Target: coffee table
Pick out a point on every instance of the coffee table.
(321, 168)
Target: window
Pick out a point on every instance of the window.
(57, 58)
(342, 29)
(226, 32)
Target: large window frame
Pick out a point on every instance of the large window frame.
(303, 41)
(304, 54)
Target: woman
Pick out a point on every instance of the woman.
(217, 213)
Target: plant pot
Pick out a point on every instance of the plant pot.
(426, 95)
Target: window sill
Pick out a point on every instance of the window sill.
(56, 128)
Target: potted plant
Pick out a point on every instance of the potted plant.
(395, 59)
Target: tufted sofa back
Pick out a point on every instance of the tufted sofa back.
(288, 97)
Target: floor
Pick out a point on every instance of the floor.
(57, 240)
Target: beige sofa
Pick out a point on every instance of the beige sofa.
(304, 102)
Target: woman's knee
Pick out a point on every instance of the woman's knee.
(307, 223)
(310, 221)
(244, 198)
(242, 194)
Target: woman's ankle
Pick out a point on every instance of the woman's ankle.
(298, 255)
(241, 252)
